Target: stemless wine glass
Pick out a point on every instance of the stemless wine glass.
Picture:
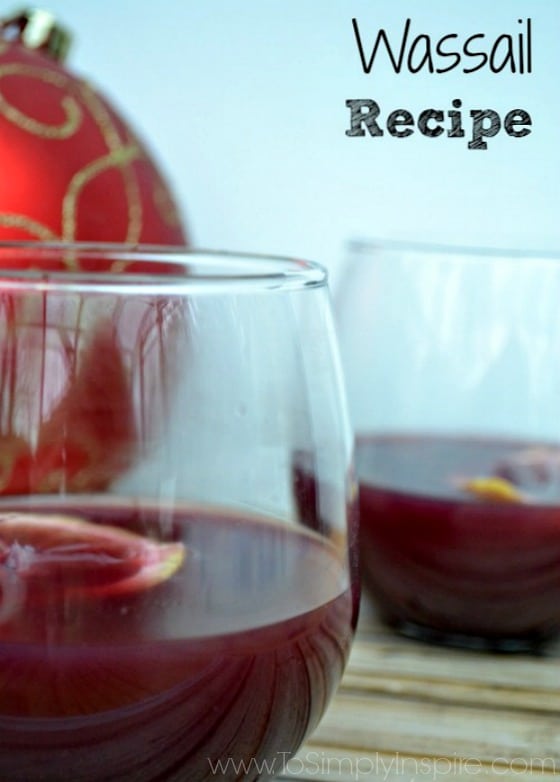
(452, 360)
(176, 513)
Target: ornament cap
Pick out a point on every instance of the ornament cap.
(37, 29)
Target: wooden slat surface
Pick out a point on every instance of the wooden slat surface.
(411, 711)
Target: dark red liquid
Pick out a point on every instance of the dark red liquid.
(227, 665)
(446, 565)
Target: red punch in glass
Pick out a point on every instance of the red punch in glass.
(168, 608)
(451, 360)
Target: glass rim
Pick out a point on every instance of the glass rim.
(376, 244)
(183, 268)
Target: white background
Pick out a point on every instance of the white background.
(243, 104)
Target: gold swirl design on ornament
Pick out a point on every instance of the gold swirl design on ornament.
(35, 127)
(118, 158)
(33, 227)
(123, 151)
(114, 142)
(101, 116)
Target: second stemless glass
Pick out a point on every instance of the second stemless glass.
(177, 596)
(452, 360)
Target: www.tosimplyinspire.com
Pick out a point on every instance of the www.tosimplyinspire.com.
(381, 766)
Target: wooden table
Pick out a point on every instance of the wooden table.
(410, 711)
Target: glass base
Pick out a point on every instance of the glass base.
(531, 644)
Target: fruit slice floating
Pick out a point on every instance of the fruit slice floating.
(56, 553)
(492, 489)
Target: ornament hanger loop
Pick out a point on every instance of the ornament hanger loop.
(37, 29)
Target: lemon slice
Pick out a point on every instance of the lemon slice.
(492, 489)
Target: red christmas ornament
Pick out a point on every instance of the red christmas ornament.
(73, 170)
